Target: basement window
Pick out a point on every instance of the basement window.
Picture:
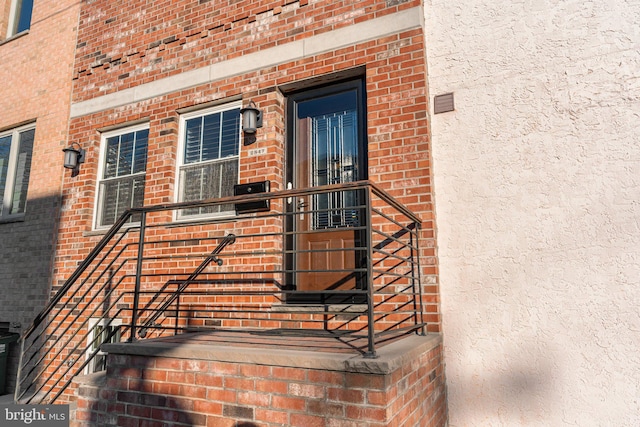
(101, 331)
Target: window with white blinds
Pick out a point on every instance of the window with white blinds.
(210, 144)
(124, 164)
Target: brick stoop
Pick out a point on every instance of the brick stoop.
(158, 383)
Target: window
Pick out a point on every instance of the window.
(19, 17)
(333, 141)
(103, 331)
(209, 155)
(122, 175)
(16, 147)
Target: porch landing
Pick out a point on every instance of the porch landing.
(228, 379)
(257, 341)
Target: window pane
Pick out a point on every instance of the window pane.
(140, 151)
(97, 337)
(193, 139)
(5, 150)
(125, 159)
(23, 15)
(211, 180)
(23, 170)
(334, 152)
(118, 195)
(230, 133)
(211, 137)
(100, 334)
(111, 156)
(126, 154)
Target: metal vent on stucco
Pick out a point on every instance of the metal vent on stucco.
(443, 103)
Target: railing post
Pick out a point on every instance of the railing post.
(177, 323)
(136, 293)
(417, 281)
(371, 348)
(16, 392)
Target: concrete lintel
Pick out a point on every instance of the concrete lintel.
(390, 357)
(104, 102)
(166, 85)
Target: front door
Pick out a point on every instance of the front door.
(326, 128)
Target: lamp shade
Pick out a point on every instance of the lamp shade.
(251, 118)
(71, 156)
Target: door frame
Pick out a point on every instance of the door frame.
(292, 99)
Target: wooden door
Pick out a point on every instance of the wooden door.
(326, 150)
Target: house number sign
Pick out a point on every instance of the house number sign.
(257, 152)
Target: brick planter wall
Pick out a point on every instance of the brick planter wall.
(208, 386)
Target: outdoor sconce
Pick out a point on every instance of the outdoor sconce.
(73, 157)
(251, 118)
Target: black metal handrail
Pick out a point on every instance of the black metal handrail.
(160, 277)
(170, 299)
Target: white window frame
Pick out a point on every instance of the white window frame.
(14, 19)
(178, 215)
(6, 199)
(93, 322)
(101, 166)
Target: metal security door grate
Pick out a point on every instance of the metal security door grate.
(334, 154)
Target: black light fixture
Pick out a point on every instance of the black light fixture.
(73, 157)
(251, 118)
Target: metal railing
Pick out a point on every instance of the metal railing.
(278, 267)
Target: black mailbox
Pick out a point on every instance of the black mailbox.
(252, 188)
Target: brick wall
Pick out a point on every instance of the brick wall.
(5, 10)
(404, 387)
(123, 46)
(36, 75)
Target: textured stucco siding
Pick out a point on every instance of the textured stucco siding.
(537, 182)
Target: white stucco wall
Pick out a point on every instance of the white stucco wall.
(537, 180)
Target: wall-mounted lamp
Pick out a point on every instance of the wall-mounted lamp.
(73, 157)
(251, 118)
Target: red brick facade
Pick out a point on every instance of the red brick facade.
(121, 46)
(153, 63)
(405, 387)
